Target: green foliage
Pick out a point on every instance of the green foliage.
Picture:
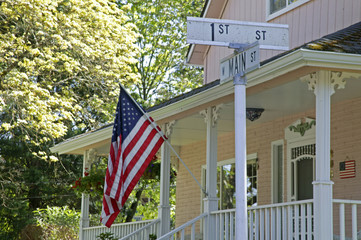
(58, 222)
(143, 201)
(106, 236)
(152, 237)
(162, 40)
(91, 183)
(60, 65)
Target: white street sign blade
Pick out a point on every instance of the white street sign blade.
(220, 32)
(241, 62)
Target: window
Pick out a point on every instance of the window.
(277, 171)
(226, 187)
(279, 7)
(302, 171)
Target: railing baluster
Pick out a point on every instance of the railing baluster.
(182, 234)
(226, 225)
(342, 221)
(217, 226)
(193, 233)
(221, 225)
(303, 222)
(261, 225)
(279, 223)
(297, 224)
(309, 221)
(231, 227)
(273, 223)
(284, 223)
(257, 221)
(250, 225)
(290, 222)
(354, 222)
(267, 223)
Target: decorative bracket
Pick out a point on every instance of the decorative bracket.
(214, 115)
(169, 127)
(337, 79)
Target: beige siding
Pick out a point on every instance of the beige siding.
(308, 22)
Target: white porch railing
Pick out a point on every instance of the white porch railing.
(119, 230)
(144, 232)
(182, 229)
(347, 213)
(282, 221)
(292, 220)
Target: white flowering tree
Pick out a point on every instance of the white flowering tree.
(60, 65)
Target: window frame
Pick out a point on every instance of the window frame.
(289, 7)
(274, 192)
(251, 158)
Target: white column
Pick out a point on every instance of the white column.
(84, 214)
(211, 200)
(323, 83)
(88, 158)
(240, 156)
(164, 207)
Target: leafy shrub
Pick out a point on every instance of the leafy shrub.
(58, 222)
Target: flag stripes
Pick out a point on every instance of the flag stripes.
(348, 169)
(135, 141)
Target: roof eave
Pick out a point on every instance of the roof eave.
(79, 144)
(278, 67)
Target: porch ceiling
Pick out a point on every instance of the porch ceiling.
(286, 99)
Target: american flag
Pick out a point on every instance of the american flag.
(347, 169)
(135, 141)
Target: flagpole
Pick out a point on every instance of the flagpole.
(165, 139)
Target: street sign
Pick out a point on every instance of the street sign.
(220, 32)
(244, 61)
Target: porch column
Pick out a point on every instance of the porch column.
(88, 158)
(323, 83)
(164, 207)
(211, 200)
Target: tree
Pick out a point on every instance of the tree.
(60, 65)
(162, 40)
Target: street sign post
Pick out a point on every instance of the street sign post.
(221, 32)
(244, 61)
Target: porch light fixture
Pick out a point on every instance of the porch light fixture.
(254, 113)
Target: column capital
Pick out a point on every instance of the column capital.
(92, 154)
(168, 128)
(214, 114)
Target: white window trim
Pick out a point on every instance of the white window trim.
(273, 144)
(288, 8)
(250, 157)
(292, 144)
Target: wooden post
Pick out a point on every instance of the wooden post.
(164, 207)
(211, 201)
(323, 84)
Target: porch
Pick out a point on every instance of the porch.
(274, 222)
(201, 126)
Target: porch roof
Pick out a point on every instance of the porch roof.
(338, 51)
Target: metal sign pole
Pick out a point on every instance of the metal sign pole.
(240, 82)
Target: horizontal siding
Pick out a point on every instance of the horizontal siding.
(308, 22)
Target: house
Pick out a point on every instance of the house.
(303, 135)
